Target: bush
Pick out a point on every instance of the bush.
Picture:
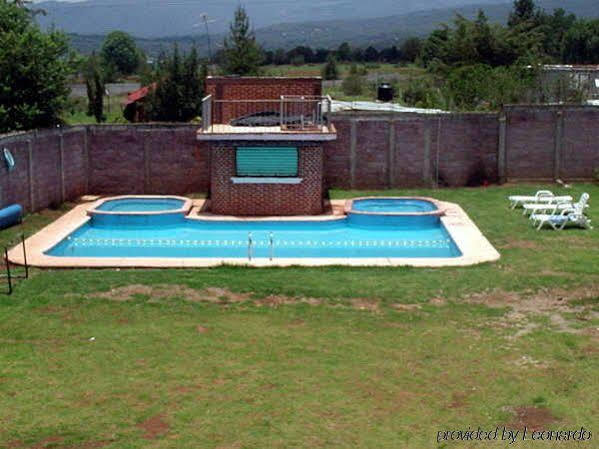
(354, 84)
(330, 71)
(423, 94)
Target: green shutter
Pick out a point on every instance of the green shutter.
(266, 161)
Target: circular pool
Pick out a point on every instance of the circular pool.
(393, 205)
(405, 212)
(140, 210)
(141, 205)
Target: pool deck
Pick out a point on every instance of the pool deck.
(472, 243)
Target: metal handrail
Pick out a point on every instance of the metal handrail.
(250, 245)
(300, 112)
(271, 244)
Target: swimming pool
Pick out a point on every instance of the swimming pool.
(138, 204)
(131, 234)
(393, 205)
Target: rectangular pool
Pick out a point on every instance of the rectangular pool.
(175, 236)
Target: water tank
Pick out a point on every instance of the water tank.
(385, 92)
(10, 215)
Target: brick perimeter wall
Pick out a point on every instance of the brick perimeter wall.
(371, 151)
(304, 198)
(408, 150)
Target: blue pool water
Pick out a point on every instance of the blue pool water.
(392, 205)
(174, 236)
(141, 205)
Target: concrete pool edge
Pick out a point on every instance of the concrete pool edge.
(473, 245)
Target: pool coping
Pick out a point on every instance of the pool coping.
(473, 245)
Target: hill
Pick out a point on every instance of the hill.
(158, 18)
(382, 31)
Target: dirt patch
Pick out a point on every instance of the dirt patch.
(201, 329)
(533, 418)
(553, 303)
(369, 304)
(458, 400)
(154, 427)
(48, 442)
(280, 300)
(437, 301)
(405, 307)
(162, 292)
(16, 444)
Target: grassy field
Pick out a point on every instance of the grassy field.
(310, 357)
(372, 73)
(76, 112)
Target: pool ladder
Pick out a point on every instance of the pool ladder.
(271, 246)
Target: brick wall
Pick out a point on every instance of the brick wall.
(49, 168)
(150, 159)
(304, 198)
(375, 150)
(547, 142)
(250, 88)
(255, 88)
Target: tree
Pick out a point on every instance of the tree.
(34, 70)
(353, 84)
(371, 54)
(119, 50)
(410, 49)
(94, 83)
(279, 57)
(523, 11)
(581, 43)
(344, 52)
(329, 71)
(179, 83)
(242, 54)
(390, 54)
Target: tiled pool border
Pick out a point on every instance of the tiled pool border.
(475, 248)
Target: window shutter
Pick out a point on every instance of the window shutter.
(267, 161)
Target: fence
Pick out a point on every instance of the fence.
(290, 112)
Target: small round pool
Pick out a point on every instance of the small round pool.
(138, 210)
(393, 205)
(138, 204)
(399, 212)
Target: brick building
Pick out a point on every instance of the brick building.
(265, 137)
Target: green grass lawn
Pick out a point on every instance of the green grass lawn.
(329, 357)
(76, 111)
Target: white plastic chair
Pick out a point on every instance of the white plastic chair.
(558, 221)
(535, 208)
(542, 196)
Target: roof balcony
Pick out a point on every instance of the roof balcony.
(290, 117)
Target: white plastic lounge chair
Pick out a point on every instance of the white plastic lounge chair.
(536, 208)
(542, 196)
(558, 221)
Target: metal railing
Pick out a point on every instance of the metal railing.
(206, 112)
(10, 275)
(289, 112)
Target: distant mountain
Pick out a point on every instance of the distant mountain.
(381, 31)
(159, 18)
(384, 31)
